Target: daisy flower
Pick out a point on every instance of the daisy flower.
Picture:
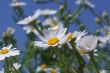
(46, 12)
(52, 70)
(103, 41)
(76, 34)
(105, 30)
(7, 52)
(46, 69)
(103, 71)
(29, 29)
(15, 3)
(57, 27)
(30, 19)
(85, 2)
(51, 21)
(41, 67)
(87, 44)
(51, 38)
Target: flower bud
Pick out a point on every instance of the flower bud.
(61, 8)
(10, 31)
(97, 20)
(82, 26)
(69, 16)
(97, 32)
(105, 15)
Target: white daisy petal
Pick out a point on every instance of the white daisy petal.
(2, 57)
(17, 4)
(46, 12)
(9, 46)
(40, 44)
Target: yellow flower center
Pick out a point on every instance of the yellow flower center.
(43, 66)
(53, 71)
(4, 51)
(69, 37)
(53, 41)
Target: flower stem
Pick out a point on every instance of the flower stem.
(63, 60)
(76, 13)
(93, 60)
(9, 68)
(78, 57)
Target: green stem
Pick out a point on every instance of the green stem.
(93, 60)
(76, 13)
(79, 58)
(63, 60)
(9, 68)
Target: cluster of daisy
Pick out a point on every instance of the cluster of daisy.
(31, 21)
(85, 44)
(58, 36)
(53, 34)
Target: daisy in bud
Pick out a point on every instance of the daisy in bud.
(7, 52)
(85, 2)
(87, 44)
(51, 38)
(15, 3)
(76, 34)
(10, 31)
